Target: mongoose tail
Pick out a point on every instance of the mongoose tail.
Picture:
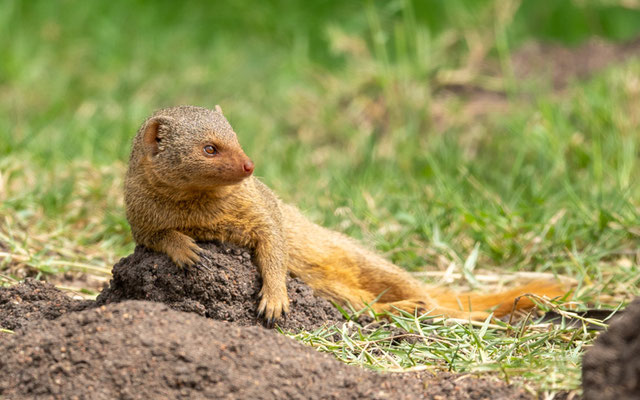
(502, 303)
(340, 269)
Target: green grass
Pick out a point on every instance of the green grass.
(532, 355)
(343, 109)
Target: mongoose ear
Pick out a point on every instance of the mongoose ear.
(154, 132)
(219, 109)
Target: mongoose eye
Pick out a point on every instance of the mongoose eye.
(210, 150)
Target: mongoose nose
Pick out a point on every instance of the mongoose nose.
(248, 167)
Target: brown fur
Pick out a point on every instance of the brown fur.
(176, 194)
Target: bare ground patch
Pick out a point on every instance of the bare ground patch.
(141, 350)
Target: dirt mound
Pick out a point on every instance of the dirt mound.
(563, 64)
(142, 350)
(34, 300)
(611, 368)
(228, 293)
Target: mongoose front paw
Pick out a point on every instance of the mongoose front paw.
(273, 305)
(189, 254)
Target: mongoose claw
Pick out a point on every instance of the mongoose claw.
(185, 253)
(272, 307)
(204, 256)
(201, 267)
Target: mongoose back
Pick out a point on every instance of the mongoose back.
(189, 180)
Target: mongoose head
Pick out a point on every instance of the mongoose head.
(191, 147)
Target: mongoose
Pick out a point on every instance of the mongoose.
(189, 180)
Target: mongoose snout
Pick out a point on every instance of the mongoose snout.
(248, 167)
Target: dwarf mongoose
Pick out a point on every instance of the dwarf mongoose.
(189, 180)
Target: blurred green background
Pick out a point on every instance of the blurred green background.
(78, 77)
(407, 124)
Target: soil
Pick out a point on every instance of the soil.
(229, 292)
(561, 64)
(35, 300)
(142, 350)
(611, 368)
(66, 348)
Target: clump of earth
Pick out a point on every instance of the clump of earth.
(611, 368)
(228, 292)
(34, 300)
